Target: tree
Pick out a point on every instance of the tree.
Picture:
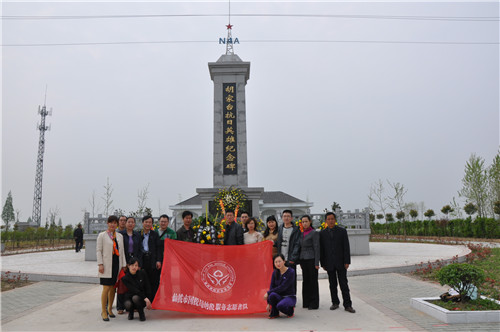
(413, 214)
(372, 217)
(380, 216)
(461, 277)
(389, 217)
(142, 198)
(470, 209)
(119, 212)
(429, 214)
(377, 196)
(8, 211)
(336, 206)
(456, 211)
(400, 215)
(94, 205)
(51, 217)
(475, 184)
(496, 207)
(396, 201)
(59, 223)
(446, 209)
(108, 202)
(494, 180)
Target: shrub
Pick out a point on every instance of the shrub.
(462, 277)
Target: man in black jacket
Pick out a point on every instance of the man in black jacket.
(234, 231)
(78, 235)
(335, 257)
(288, 242)
(149, 255)
(186, 232)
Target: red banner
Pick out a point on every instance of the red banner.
(215, 280)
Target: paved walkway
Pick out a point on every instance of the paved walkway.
(382, 301)
(66, 265)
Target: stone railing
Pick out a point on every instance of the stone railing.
(357, 224)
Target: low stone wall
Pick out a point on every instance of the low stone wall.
(359, 241)
(90, 246)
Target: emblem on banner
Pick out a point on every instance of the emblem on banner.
(218, 276)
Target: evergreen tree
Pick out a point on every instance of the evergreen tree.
(429, 214)
(470, 209)
(446, 209)
(8, 211)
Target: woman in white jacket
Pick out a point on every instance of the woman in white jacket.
(110, 259)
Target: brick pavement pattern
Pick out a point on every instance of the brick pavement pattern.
(390, 293)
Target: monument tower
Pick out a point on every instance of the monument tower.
(230, 75)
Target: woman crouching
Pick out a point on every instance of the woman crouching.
(281, 294)
(139, 290)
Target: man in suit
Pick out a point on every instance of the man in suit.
(186, 232)
(234, 231)
(149, 255)
(335, 257)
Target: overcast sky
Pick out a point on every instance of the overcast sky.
(393, 91)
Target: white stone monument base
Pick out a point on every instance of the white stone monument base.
(90, 246)
(359, 241)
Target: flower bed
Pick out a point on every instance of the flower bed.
(454, 317)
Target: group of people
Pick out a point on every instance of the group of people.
(140, 255)
(306, 246)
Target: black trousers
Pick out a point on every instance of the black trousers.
(120, 298)
(341, 274)
(78, 245)
(150, 270)
(310, 286)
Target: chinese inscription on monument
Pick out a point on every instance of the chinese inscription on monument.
(229, 129)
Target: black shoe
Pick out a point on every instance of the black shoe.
(334, 306)
(111, 315)
(131, 315)
(350, 309)
(142, 316)
(106, 319)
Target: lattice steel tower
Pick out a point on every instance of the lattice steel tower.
(37, 199)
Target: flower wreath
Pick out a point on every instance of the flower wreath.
(230, 198)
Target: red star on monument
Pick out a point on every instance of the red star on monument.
(229, 26)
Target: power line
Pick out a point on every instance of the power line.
(384, 17)
(256, 41)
